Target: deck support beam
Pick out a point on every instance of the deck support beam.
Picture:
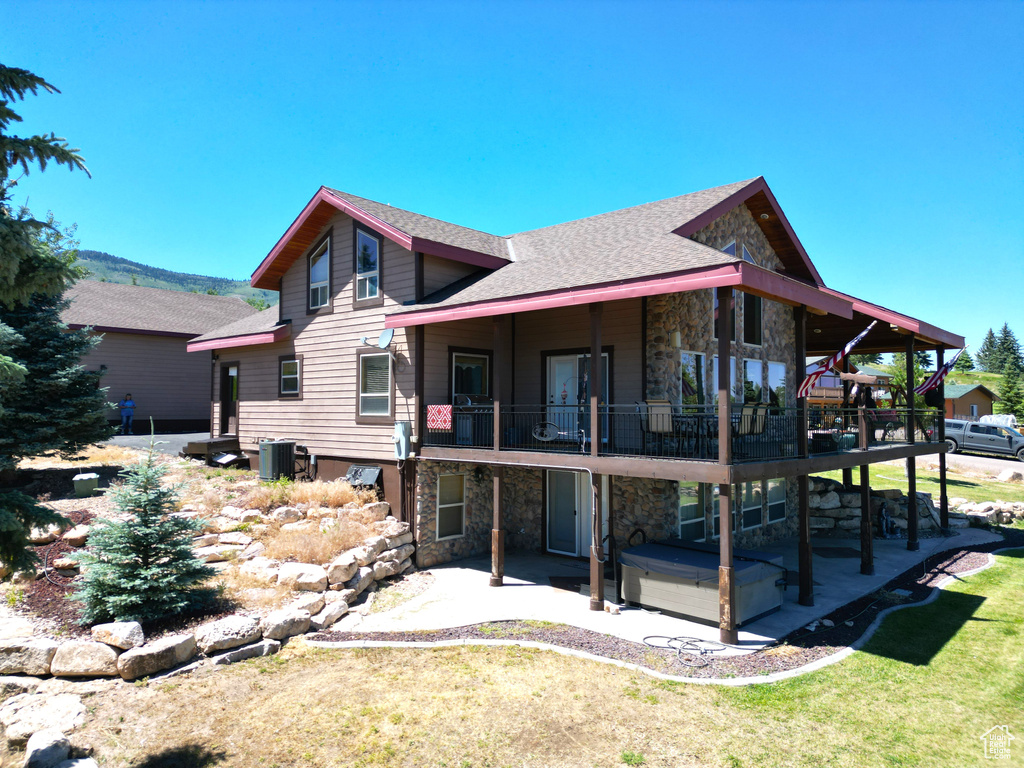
(848, 471)
(867, 554)
(913, 545)
(596, 378)
(498, 533)
(597, 558)
(943, 498)
(726, 585)
(806, 594)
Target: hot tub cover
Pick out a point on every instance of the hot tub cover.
(693, 561)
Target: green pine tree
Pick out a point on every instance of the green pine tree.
(1011, 394)
(899, 377)
(964, 363)
(143, 568)
(1009, 350)
(871, 358)
(987, 353)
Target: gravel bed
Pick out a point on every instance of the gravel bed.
(797, 649)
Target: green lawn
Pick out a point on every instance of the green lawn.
(957, 486)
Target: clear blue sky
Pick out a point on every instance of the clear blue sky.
(890, 132)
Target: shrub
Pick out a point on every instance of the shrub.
(318, 493)
(314, 546)
(142, 568)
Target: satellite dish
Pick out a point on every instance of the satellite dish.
(385, 338)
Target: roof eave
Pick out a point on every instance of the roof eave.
(280, 333)
(920, 329)
(140, 331)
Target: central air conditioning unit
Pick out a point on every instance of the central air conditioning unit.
(277, 459)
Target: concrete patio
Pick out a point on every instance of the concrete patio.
(460, 594)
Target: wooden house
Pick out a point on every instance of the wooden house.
(969, 401)
(562, 386)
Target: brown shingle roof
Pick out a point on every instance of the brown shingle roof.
(260, 322)
(154, 310)
(418, 225)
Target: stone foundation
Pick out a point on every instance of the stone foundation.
(836, 511)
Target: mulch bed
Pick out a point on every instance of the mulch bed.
(799, 648)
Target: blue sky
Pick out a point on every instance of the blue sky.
(890, 132)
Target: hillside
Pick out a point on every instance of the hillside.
(113, 269)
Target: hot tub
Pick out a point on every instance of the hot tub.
(681, 578)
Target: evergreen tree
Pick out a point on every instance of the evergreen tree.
(899, 377)
(142, 568)
(1011, 394)
(964, 363)
(871, 358)
(1009, 351)
(987, 353)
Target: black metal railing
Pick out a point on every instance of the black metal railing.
(470, 426)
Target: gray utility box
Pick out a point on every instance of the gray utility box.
(277, 459)
(681, 578)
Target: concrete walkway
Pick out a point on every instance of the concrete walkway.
(460, 594)
(171, 445)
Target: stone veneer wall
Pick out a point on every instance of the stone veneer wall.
(521, 497)
(640, 502)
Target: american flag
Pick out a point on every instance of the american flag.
(936, 378)
(813, 376)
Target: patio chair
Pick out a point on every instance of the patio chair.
(656, 425)
(752, 423)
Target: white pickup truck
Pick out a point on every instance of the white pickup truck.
(983, 438)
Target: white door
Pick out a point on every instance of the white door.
(569, 390)
(570, 527)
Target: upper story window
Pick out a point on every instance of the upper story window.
(320, 276)
(752, 312)
(367, 268)
(375, 384)
(752, 386)
(777, 384)
(692, 382)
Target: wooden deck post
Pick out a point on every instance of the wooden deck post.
(498, 533)
(596, 547)
(913, 545)
(497, 376)
(943, 498)
(596, 378)
(867, 554)
(726, 585)
(806, 594)
(848, 472)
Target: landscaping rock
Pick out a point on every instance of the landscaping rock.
(301, 526)
(46, 749)
(404, 566)
(120, 634)
(1010, 476)
(391, 542)
(262, 648)
(308, 601)
(342, 568)
(84, 658)
(12, 685)
(233, 512)
(255, 549)
(285, 623)
(378, 510)
(342, 593)
(383, 570)
(206, 540)
(157, 656)
(77, 536)
(262, 568)
(286, 514)
(830, 500)
(29, 713)
(330, 614)
(229, 632)
(26, 656)
(302, 577)
(250, 516)
(813, 500)
(889, 493)
(362, 579)
(81, 762)
(218, 553)
(849, 499)
(235, 537)
(849, 525)
(822, 522)
(64, 564)
(219, 525)
(397, 555)
(959, 522)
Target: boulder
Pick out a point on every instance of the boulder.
(889, 493)
(26, 656)
(77, 536)
(404, 566)
(235, 537)
(46, 535)
(262, 568)
(362, 579)
(330, 614)
(383, 570)
(813, 500)
(1010, 476)
(206, 540)
(229, 632)
(302, 577)
(12, 685)
(397, 554)
(849, 525)
(262, 648)
(255, 549)
(849, 499)
(391, 542)
(822, 522)
(218, 553)
(120, 634)
(46, 749)
(157, 656)
(286, 514)
(233, 512)
(302, 526)
(308, 601)
(342, 593)
(84, 658)
(378, 510)
(959, 522)
(218, 525)
(29, 713)
(342, 568)
(284, 623)
(830, 500)
(250, 516)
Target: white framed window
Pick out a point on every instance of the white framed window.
(375, 385)
(776, 500)
(692, 384)
(451, 506)
(320, 276)
(367, 266)
(691, 511)
(777, 384)
(291, 376)
(748, 497)
(753, 320)
(752, 381)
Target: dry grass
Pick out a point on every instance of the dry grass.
(317, 494)
(313, 545)
(252, 593)
(108, 455)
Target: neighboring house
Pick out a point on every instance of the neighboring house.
(829, 392)
(498, 343)
(143, 349)
(969, 401)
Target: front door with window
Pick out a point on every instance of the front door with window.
(569, 525)
(568, 388)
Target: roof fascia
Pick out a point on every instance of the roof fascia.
(248, 340)
(139, 331)
(738, 197)
(740, 275)
(927, 332)
(454, 253)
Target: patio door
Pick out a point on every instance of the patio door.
(229, 399)
(569, 530)
(568, 388)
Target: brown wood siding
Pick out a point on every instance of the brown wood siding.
(473, 334)
(166, 382)
(569, 328)
(324, 420)
(438, 272)
(961, 406)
